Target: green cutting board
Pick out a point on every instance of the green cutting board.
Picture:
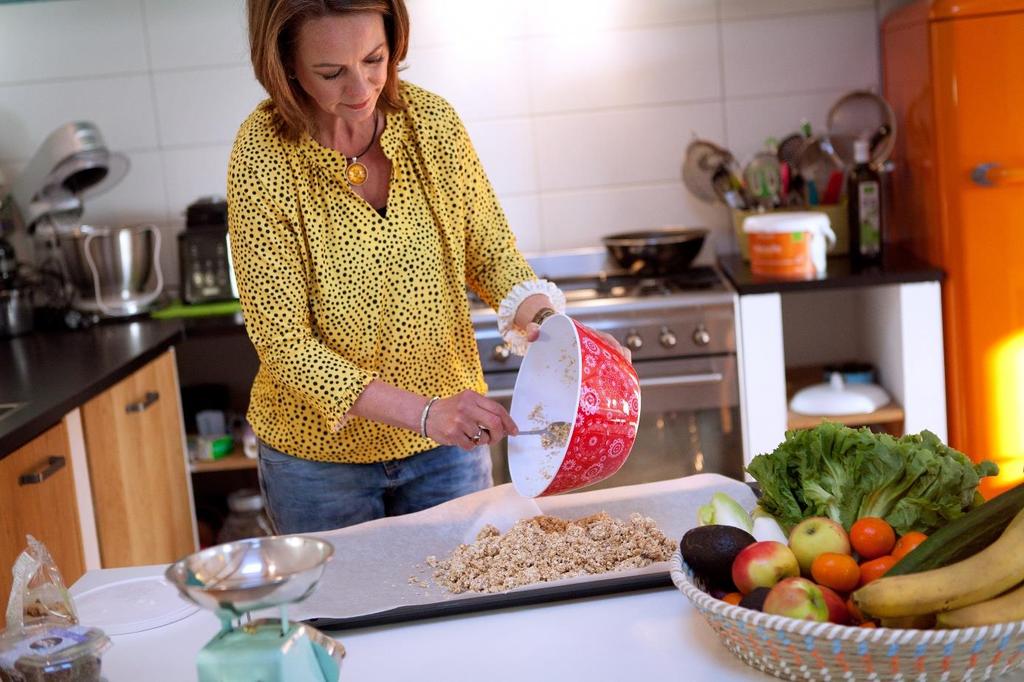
(177, 309)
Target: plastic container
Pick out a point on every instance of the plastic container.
(789, 245)
(53, 654)
(246, 518)
(837, 218)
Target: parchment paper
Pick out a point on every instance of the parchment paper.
(374, 561)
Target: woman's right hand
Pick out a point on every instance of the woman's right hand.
(467, 420)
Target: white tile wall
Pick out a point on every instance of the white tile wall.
(745, 9)
(71, 39)
(620, 146)
(580, 109)
(190, 33)
(624, 68)
(204, 106)
(777, 55)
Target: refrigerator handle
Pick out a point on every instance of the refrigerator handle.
(994, 175)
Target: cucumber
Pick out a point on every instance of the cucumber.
(966, 536)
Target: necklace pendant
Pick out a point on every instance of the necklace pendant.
(356, 173)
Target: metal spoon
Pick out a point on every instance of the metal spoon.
(549, 429)
(554, 435)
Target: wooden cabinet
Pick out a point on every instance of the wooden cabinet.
(37, 496)
(137, 468)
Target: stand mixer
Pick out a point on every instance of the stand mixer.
(237, 578)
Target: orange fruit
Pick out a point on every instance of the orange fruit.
(872, 537)
(906, 544)
(875, 569)
(838, 571)
(733, 598)
(869, 624)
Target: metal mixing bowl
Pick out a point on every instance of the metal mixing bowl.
(252, 574)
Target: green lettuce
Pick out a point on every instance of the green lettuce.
(914, 482)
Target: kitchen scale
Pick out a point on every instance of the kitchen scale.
(237, 578)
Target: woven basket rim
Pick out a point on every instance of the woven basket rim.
(681, 577)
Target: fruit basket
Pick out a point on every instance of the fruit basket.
(807, 650)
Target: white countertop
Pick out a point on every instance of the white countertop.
(649, 635)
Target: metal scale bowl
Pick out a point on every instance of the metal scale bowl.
(237, 578)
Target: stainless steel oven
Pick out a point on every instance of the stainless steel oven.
(684, 351)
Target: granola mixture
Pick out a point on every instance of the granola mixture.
(545, 548)
(556, 436)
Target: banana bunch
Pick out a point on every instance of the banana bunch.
(962, 594)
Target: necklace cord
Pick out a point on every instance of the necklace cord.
(372, 138)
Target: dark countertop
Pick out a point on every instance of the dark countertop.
(52, 373)
(898, 267)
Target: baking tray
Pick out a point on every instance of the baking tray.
(380, 572)
(489, 602)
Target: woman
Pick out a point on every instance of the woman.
(359, 213)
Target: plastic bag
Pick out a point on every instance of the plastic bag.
(38, 595)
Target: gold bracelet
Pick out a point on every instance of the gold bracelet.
(542, 314)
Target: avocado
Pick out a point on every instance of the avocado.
(710, 551)
(755, 599)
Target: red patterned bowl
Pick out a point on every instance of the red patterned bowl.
(572, 375)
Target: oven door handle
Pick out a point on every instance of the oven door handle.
(499, 393)
(683, 380)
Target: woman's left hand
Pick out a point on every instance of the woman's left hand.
(533, 331)
(534, 304)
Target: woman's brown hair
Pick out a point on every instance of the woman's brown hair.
(273, 31)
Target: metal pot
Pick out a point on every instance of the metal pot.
(15, 312)
(110, 267)
(656, 253)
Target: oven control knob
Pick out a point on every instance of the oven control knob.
(701, 337)
(501, 352)
(633, 341)
(667, 338)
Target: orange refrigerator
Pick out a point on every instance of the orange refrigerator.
(954, 72)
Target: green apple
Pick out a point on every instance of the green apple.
(813, 537)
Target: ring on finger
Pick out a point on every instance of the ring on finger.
(479, 434)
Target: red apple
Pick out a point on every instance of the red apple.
(797, 598)
(837, 611)
(815, 536)
(763, 564)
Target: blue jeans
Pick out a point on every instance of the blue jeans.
(303, 496)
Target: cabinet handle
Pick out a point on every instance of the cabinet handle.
(994, 175)
(151, 397)
(52, 466)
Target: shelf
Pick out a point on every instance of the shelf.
(890, 416)
(898, 266)
(229, 463)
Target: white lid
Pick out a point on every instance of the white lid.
(838, 398)
(788, 221)
(132, 605)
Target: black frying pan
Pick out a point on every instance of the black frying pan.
(656, 253)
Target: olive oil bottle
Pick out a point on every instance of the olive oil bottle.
(864, 207)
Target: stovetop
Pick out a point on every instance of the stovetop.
(688, 314)
(623, 285)
(610, 290)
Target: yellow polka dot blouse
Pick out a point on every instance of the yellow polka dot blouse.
(334, 295)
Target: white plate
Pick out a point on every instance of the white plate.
(132, 605)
